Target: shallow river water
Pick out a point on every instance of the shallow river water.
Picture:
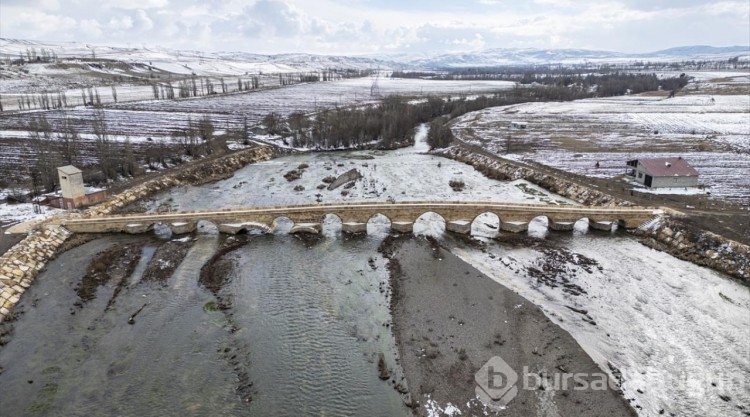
(306, 323)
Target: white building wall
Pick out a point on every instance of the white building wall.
(670, 182)
(72, 185)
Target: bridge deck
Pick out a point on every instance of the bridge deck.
(451, 211)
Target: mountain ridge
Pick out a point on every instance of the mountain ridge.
(284, 62)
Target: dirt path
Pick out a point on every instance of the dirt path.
(449, 320)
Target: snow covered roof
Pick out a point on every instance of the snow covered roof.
(668, 167)
(69, 170)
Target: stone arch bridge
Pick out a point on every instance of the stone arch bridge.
(458, 217)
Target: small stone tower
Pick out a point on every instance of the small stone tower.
(71, 185)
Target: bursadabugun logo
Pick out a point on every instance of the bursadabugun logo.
(496, 383)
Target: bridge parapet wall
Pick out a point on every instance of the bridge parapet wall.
(361, 213)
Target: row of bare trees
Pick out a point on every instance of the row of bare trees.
(197, 138)
(62, 145)
(390, 123)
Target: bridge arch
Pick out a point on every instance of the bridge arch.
(378, 223)
(282, 225)
(207, 227)
(487, 224)
(582, 226)
(331, 224)
(539, 226)
(429, 223)
(162, 230)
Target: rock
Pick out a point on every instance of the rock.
(383, 371)
(348, 176)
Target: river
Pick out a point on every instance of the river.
(307, 322)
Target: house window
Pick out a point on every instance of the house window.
(640, 175)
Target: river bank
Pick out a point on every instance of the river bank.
(21, 262)
(450, 319)
(680, 239)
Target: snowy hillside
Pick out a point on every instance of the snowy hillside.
(193, 62)
(241, 63)
(513, 56)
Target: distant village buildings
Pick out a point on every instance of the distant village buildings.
(663, 172)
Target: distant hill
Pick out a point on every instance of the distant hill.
(698, 50)
(236, 63)
(196, 62)
(515, 56)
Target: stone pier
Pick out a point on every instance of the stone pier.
(137, 228)
(312, 228)
(605, 226)
(561, 226)
(459, 226)
(403, 227)
(514, 227)
(181, 228)
(354, 227)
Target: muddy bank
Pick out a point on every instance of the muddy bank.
(166, 259)
(692, 244)
(214, 275)
(498, 169)
(114, 265)
(449, 320)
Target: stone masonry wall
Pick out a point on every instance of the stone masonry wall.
(21, 264)
(495, 168)
(699, 247)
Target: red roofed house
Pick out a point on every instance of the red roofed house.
(663, 172)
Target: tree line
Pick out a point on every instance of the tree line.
(63, 146)
(608, 83)
(390, 123)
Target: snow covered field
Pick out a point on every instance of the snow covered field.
(311, 97)
(16, 213)
(162, 118)
(677, 332)
(402, 175)
(711, 131)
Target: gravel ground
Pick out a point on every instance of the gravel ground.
(450, 319)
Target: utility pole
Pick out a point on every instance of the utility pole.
(35, 193)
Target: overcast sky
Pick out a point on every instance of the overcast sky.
(385, 26)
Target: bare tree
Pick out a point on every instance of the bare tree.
(272, 122)
(245, 132)
(43, 145)
(68, 142)
(205, 130)
(299, 123)
(188, 139)
(104, 149)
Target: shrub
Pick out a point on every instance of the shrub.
(457, 185)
